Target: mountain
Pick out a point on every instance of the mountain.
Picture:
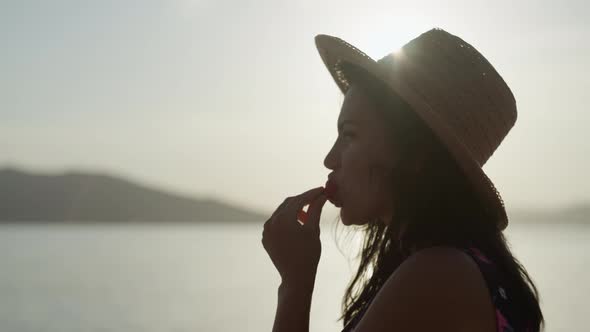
(574, 214)
(77, 196)
(85, 197)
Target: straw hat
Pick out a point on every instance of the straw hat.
(453, 89)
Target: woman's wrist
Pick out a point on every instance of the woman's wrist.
(299, 285)
(300, 288)
(293, 308)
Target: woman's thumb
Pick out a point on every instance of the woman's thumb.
(315, 211)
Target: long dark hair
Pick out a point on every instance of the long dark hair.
(433, 207)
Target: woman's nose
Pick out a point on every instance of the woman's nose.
(330, 161)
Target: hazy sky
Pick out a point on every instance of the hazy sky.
(230, 99)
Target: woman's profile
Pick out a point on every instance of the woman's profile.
(414, 130)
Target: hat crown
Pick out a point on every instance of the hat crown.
(453, 88)
(459, 85)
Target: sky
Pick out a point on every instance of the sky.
(230, 99)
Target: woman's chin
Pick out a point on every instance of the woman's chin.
(346, 219)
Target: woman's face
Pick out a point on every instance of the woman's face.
(361, 159)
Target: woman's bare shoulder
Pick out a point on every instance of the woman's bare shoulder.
(440, 259)
(437, 288)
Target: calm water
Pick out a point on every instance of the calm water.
(218, 277)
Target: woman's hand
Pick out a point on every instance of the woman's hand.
(295, 249)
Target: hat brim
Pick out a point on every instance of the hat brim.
(333, 50)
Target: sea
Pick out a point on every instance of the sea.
(217, 277)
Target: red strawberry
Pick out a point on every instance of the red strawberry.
(302, 216)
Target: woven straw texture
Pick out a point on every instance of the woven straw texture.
(455, 91)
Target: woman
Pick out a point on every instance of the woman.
(414, 130)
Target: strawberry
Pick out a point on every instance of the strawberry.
(302, 216)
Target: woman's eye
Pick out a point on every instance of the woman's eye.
(347, 134)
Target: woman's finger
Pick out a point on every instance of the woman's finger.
(281, 207)
(300, 201)
(302, 216)
(314, 212)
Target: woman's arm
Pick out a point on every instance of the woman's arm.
(293, 308)
(295, 251)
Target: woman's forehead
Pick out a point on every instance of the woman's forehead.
(356, 108)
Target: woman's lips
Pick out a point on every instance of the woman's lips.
(330, 191)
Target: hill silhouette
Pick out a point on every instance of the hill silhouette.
(573, 214)
(77, 196)
(86, 197)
